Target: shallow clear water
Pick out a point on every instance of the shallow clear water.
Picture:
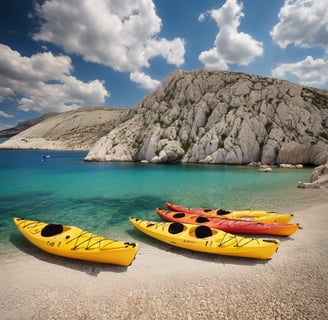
(100, 197)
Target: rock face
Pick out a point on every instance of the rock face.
(318, 179)
(222, 117)
(320, 175)
(72, 130)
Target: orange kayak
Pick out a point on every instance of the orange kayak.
(250, 215)
(229, 225)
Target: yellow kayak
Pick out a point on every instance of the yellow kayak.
(250, 215)
(205, 239)
(72, 242)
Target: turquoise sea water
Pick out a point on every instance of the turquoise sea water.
(100, 197)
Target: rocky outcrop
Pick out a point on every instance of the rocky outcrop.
(318, 179)
(73, 130)
(222, 117)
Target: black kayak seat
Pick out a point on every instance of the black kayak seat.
(203, 232)
(179, 215)
(51, 230)
(201, 219)
(175, 227)
(222, 212)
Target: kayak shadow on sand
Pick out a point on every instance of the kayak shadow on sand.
(90, 268)
(215, 258)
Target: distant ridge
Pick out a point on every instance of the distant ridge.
(21, 126)
(78, 129)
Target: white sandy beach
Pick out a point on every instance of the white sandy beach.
(165, 282)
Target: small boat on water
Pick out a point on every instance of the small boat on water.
(251, 215)
(72, 242)
(230, 225)
(205, 239)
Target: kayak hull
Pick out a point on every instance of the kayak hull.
(230, 225)
(250, 215)
(207, 240)
(72, 242)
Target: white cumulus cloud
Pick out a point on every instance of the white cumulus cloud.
(120, 34)
(303, 23)
(310, 72)
(5, 114)
(43, 82)
(144, 80)
(230, 46)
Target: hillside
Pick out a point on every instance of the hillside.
(72, 130)
(7, 133)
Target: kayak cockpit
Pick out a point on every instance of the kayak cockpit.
(53, 229)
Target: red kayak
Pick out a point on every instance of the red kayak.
(230, 225)
(250, 215)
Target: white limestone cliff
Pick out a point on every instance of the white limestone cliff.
(222, 117)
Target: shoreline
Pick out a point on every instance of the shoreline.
(165, 281)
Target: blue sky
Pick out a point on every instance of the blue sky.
(58, 55)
